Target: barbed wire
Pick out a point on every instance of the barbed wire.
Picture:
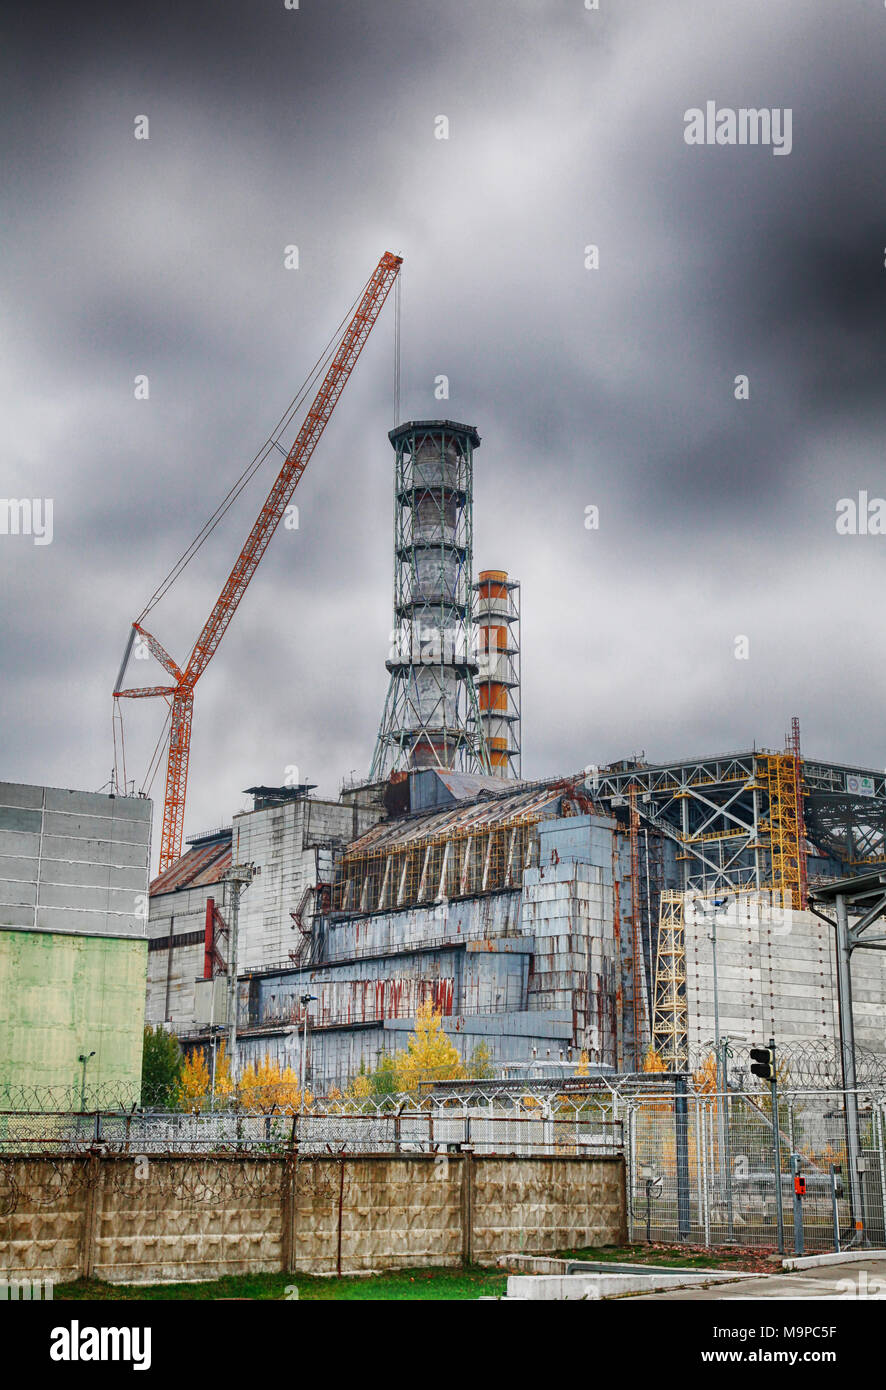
(808, 1065)
(44, 1182)
(220, 1136)
(816, 1064)
(189, 1181)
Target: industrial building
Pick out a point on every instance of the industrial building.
(534, 916)
(551, 920)
(74, 870)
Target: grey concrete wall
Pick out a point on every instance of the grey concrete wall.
(568, 910)
(172, 973)
(289, 843)
(335, 1055)
(73, 862)
(777, 975)
(284, 841)
(462, 919)
(476, 976)
(183, 1218)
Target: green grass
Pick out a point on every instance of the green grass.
(405, 1285)
(402, 1285)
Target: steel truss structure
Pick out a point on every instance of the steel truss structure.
(742, 821)
(431, 715)
(479, 859)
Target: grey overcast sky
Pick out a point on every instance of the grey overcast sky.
(612, 387)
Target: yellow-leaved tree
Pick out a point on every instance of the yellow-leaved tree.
(265, 1088)
(706, 1079)
(707, 1083)
(224, 1085)
(429, 1054)
(359, 1088)
(653, 1061)
(194, 1084)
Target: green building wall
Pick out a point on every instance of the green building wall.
(61, 996)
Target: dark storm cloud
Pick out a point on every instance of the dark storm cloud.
(611, 388)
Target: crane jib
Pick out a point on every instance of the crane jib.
(350, 346)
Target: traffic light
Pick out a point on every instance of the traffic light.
(763, 1062)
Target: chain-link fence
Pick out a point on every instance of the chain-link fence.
(402, 1130)
(702, 1167)
(708, 1169)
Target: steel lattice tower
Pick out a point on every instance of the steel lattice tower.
(431, 716)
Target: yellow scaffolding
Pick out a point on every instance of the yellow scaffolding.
(778, 772)
(670, 1017)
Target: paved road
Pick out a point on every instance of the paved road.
(855, 1279)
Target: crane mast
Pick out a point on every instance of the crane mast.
(181, 692)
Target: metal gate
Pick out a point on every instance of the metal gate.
(702, 1169)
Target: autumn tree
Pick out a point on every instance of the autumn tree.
(359, 1088)
(224, 1083)
(706, 1078)
(373, 1085)
(193, 1090)
(429, 1054)
(265, 1087)
(384, 1078)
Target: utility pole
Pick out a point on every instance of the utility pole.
(847, 1050)
(681, 1118)
(864, 895)
(776, 1140)
(239, 876)
(722, 1053)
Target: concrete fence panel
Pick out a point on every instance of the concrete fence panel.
(186, 1217)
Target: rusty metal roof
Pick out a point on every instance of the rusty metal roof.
(532, 803)
(204, 863)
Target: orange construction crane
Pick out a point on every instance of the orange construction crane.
(181, 693)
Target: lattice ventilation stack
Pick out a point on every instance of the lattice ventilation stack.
(431, 716)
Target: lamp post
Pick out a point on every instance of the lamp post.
(84, 1058)
(721, 1048)
(306, 999)
(239, 876)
